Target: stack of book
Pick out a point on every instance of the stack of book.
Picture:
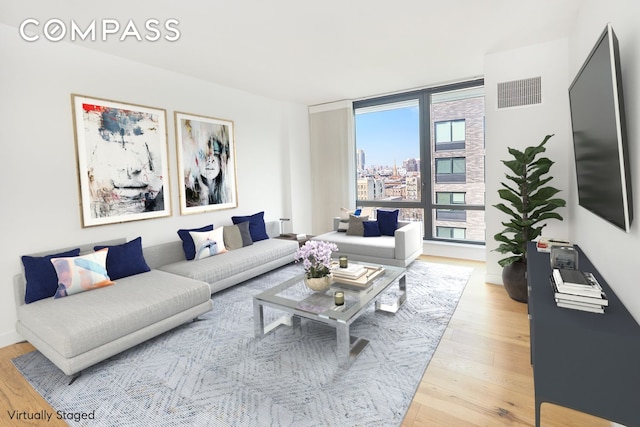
(352, 272)
(578, 290)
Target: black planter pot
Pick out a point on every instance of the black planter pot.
(515, 282)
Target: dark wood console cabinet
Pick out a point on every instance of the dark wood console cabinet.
(585, 361)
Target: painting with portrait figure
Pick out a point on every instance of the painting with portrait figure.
(206, 162)
(122, 161)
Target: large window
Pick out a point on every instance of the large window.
(422, 152)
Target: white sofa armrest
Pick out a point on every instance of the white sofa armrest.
(408, 239)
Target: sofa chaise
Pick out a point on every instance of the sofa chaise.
(80, 330)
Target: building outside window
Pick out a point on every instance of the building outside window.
(452, 169)
(450, 135)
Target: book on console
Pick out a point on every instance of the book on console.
(599, 299)
(582, 307)
(576, 282)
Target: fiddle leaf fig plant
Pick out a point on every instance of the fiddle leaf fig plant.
(530, 201)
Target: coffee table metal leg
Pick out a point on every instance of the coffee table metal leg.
(258, 319)
(349, 347)
(260, 329)
(344, 344)
(393, 308)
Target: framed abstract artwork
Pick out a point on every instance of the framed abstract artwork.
(206, 163)
(121, 151)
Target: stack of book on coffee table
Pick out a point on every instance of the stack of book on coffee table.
(352, 272)
(578, 290)
(356, 275)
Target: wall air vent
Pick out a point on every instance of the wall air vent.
(517, 93)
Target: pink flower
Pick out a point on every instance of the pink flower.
(316, 257)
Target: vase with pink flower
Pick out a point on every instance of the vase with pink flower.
(315, 256)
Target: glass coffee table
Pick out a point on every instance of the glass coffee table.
(298, 301)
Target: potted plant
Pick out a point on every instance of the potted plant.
(316, 260)
(531, 202)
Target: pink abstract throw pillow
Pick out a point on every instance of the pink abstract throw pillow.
(81, 273)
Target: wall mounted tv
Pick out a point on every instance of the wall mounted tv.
(599, 134)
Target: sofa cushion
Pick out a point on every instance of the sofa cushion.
(344, 218)
(81, 273)
(217, 268)
(187, 241)
(387, 221)
(245, 233)
(232, 237)
(371, 229)
(378, 247)
(208, 243)
(125, 259)
(88, 320)
(355, 225)
(42, 280)
(257, 227)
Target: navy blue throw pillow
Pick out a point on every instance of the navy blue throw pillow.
(371, 229)
(125, 260)
(187, 242)
(257, 228)
(42, 280)
(387, 221)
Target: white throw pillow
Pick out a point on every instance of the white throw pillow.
(208, 243)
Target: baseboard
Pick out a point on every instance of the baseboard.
(493, 279)
(455, 250)
(9, 338)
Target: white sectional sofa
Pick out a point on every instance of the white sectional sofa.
(80, 330)
(233, 267)
(398, 250)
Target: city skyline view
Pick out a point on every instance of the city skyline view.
(382, 132)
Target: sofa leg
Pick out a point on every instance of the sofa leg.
(197, 319)
(74, 378)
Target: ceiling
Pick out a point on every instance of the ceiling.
(313, 52)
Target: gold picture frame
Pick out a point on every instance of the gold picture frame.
(122, 161)
(206, 153)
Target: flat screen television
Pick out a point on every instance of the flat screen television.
(599, 134)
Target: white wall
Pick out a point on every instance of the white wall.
(614, 252)
(38, 182)
(520, 127)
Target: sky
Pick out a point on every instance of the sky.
(388, 135)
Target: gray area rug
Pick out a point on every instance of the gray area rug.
(216, 373)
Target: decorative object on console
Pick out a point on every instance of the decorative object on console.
(81, 273)
(206, 163)
(544, 244)
(565, 257)
(257, 227)
(187, 241)
(531, 203)
(316, 260)
(122, 161)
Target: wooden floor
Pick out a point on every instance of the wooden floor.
(480, 375)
